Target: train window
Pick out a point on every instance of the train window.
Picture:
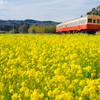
(73, 23)
(77, 23)
(83, 21)
(66, 25)
(89, 20)
(94, 21)
(69, 24)
(98, 21)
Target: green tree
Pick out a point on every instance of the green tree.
(15, 28)
(42, 29)
(98, 9)
(94, 11)
(6, 28)
(32, 29)
(27, 25)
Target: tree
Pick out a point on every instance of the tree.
(21, 23)
(42, 29)
(32, 29)
(15, 28)
(88, 13)
(21, 28)
(27, 25)
(98, 8)
(94, 11)
(6, 28)
(81, 15)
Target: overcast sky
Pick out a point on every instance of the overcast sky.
(55, 10)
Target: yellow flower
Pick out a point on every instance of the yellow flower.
(92, 96)
(50, 93)
(82, 82)
(22, 89)
(15, 96)
(27, 93)
(43, 67)
(93, 74)
(2, 97)
(80, 98)
(35, 95)
(56, 91)
(85, 90)
(98, 86)
(23, 84)
(61, 78)
(71, 86)
(11, 90)
(1, 86)
(41, 95)
(57, 71)
(88, 68)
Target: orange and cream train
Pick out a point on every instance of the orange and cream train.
(89, 24)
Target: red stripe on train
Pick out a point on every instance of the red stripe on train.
(79, 27)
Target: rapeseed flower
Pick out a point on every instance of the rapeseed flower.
(15, 96)
(1, 86)
(43, 67)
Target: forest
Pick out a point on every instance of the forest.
(27, 28)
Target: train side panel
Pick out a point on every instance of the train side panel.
(72, 28)
(83, 27)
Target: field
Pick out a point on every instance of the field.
(49, 67)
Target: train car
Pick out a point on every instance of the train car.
(89, 24)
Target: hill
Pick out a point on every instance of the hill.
(30, 21)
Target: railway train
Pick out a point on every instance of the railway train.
(88, 24)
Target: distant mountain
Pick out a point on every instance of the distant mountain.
(17, 22)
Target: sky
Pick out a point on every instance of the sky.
(45, 10)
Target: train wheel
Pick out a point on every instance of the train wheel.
(91, 32)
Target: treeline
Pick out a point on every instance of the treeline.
(42, 29)
(94, 11)
(27, 28)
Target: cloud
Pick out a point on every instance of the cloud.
(57, 10)
(43, 3)
(4, 9)
(51, 2)
(3, 2)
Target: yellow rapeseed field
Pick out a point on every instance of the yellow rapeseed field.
(49, 67)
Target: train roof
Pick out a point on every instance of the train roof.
(72, 20)
(76, 18)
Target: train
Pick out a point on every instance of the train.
(88, 24)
